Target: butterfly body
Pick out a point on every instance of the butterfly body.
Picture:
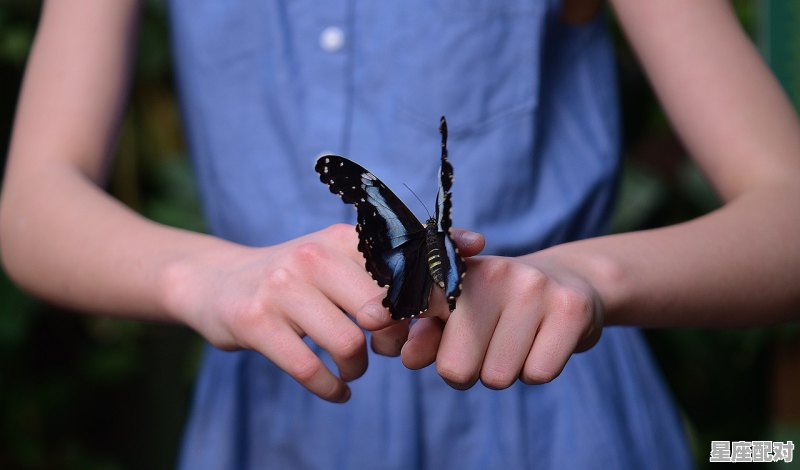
(400, 252)
(434, 245)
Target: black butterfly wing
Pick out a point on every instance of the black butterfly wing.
(390, 237)
(411, 286)
(453, 265)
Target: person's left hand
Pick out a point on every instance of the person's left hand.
(516, 318)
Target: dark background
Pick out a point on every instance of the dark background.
(92, 393)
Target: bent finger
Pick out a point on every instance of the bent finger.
(420, 349)
(287, 350)
(340, 278)
(332, 330)
(511, 343)
(389, 341)
(465, 340)
(552, 347)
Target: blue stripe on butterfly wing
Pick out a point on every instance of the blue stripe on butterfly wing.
(456, 271)
(443, 209)
(453, 266)
(397, 231)
(411, 284)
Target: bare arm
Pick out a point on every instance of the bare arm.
(69, 110)
(738, 266)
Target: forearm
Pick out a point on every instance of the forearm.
(66, 241)
(738, 266)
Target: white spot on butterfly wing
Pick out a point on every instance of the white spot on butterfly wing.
(369, 176)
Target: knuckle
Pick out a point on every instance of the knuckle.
(497, 378)
(461, 379)
(573, 303)
(350, 344)
(305, 370)
(308, 254)
(532, 375)
(496, 271)
(531, 280)
(252, 327)
(249, 315)
(278, 278)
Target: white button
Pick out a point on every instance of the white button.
(331, 39)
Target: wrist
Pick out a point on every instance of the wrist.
(187, 278)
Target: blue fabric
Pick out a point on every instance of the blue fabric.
(531, 107)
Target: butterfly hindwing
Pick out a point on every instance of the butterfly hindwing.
(453, 265)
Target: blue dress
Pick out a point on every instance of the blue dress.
(531, 104)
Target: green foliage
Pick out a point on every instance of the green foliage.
(780, 38)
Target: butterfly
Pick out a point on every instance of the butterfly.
(400, 251)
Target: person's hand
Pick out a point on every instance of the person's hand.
(517, 318)
(268, 299)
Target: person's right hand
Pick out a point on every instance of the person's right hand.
(268, 299)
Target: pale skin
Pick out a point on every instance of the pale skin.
(65, 240)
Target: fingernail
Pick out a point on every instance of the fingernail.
(346, 395)
(374, 311)
(469, 237)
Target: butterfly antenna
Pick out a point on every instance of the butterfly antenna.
(420, 200)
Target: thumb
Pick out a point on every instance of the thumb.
(469, 243)
(373, 315)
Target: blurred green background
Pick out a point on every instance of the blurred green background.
(89, 393)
